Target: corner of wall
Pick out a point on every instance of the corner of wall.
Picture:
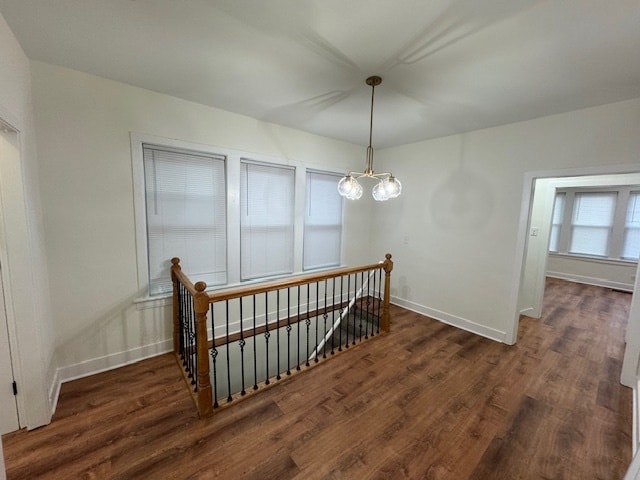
(453, 320)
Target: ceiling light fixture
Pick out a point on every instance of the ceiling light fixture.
(388, 186)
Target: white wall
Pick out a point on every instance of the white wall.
(84, 124)
(24, 271)
(456, 231)
(603, 273)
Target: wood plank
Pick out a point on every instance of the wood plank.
(424, 401)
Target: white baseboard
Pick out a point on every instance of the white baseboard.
(452, 320)
(527, 310)
(598, 282)
(111, 361)
(120, 359)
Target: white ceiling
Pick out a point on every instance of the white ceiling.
(447, 66)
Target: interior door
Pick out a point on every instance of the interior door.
(8, 405)
(8, 402)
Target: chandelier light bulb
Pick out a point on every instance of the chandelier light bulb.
(347, 185)
(393, 187)
(356, 191)
(380, 192)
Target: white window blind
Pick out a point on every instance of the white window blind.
(186, 216)
(556, 222)
(631, 247)
(322, 221)
(591, 223)
(266, 220)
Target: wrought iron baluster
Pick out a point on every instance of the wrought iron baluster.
(255, 341)
(324, 328)
(333, 312)
(360, 316)
(346, 344)
(242, 343)
(185, 331)
(367, 303)
(180, 320)
(229, 397)
(355, 307)
(317, 322)
(298, 339)
(187, 335)
(278, 377)
(214, 357)
(288, 330)
(192, 347)
(308, 323)
(181, 310)
(373, 304)
(267, 334)
(341, 312)
(379, 301)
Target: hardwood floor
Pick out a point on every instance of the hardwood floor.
(425, 401)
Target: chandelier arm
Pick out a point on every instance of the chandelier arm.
(358, 175)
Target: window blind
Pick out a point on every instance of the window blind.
(556, 222)
(591, 223)
(322, 239)
(186, 216)
(266, 219)
(631, 246)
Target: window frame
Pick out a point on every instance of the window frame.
(218, 198)
(309, 172)
(635, 193)
(248, 163)
(232, 164)
(616, 242)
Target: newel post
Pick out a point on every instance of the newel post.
(386, 319)
(201, 307)
(175, 267)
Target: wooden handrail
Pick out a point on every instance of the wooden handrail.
(178, 274)
(202, 300)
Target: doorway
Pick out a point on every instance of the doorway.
(539, 231)
(524, 248)
(9, 419)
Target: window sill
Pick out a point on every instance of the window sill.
(153, 302)
(585, 258)
(165, 300)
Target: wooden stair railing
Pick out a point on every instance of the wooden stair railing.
(191, 305)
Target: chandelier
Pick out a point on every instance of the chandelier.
(388, 186)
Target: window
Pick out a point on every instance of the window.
(266, 220)
(322, 221)
(631, 247)
(229, 219)
(591, 223)
(556, 222)
(596, 222)
(185, 215)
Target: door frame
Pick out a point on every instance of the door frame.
(5, 278)
(526, 205)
